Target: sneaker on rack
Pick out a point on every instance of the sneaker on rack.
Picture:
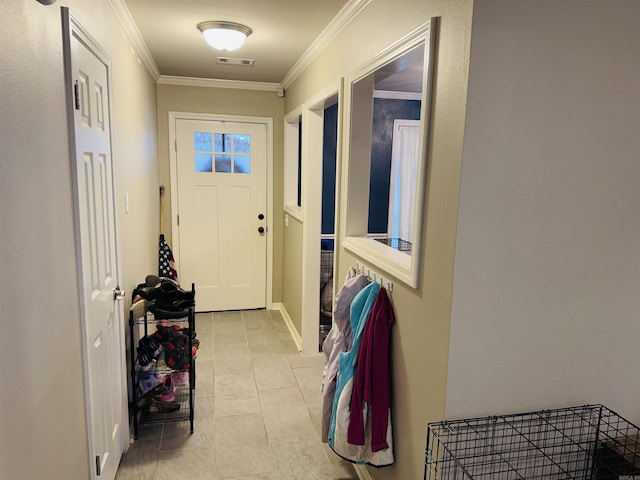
(150, 385)
(167, 394)
(180, 378)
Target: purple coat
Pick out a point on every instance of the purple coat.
(372, 379)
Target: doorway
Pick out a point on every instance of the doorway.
(220, 167)
(317, 288)
(327, 232)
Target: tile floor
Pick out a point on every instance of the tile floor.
(257, 412)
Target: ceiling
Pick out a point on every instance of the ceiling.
(283, 30)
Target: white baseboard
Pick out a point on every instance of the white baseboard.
(287, 320)
(362, 472)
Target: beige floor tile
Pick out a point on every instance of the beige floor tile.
(309, 379)
(298, 360)
(239, 430)
(228, 330)
(278, 322)
(205, 352)
(204, 377)
(300, 457)
(177, 436)
(272, 371)
(204, 407)
(242, 460)
(281, 421)
(138, 464)
(233, 359)
(204, 323)
(235, 395)
(220, 318)
(225, 408)
(289, 347)
(235, 387)
(343, 470)
(266, 342)
(257, 320)
(194, 464)
(149, 436)
(241, 446)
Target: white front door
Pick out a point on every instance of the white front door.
(222, 224)
(102, 323)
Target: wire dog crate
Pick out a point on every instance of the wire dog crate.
(589, 442)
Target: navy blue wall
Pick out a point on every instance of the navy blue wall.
(385, 111)
(329, 169)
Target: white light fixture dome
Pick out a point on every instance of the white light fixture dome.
(224, 35)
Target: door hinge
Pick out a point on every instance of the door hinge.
(175, 145)
(178, 218)
(98, 469)
(76, 96)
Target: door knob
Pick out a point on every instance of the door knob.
(260, 229)
(261, 217)
(118, 294)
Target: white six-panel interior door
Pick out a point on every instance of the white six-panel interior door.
(89, 111)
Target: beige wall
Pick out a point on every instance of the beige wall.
(421, 335)
(43, 419)
(545, 310)
(292, 272)
(226, 101)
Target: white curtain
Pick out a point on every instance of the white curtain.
(404, 171)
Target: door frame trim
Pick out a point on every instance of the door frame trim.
(312, 150)
(71, 26)
(173, 175)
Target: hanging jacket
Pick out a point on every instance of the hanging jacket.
(338, 428)
(372, 380)
(338, 340)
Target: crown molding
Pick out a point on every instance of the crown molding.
(124, 15)
(217, 83)
(345, 16)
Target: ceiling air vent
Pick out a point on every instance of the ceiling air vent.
(244, 62)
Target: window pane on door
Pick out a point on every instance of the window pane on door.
(222, 142)
(202, 142)
(223, 163)
(242, 164)
(241, 143)
(203, 162)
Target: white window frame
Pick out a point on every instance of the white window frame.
(291, 152)
(357, 163)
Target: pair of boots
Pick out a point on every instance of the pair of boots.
(166, 298)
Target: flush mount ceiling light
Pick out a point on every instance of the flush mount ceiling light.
(224, 35)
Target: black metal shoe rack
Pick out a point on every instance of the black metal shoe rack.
(184, 394)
